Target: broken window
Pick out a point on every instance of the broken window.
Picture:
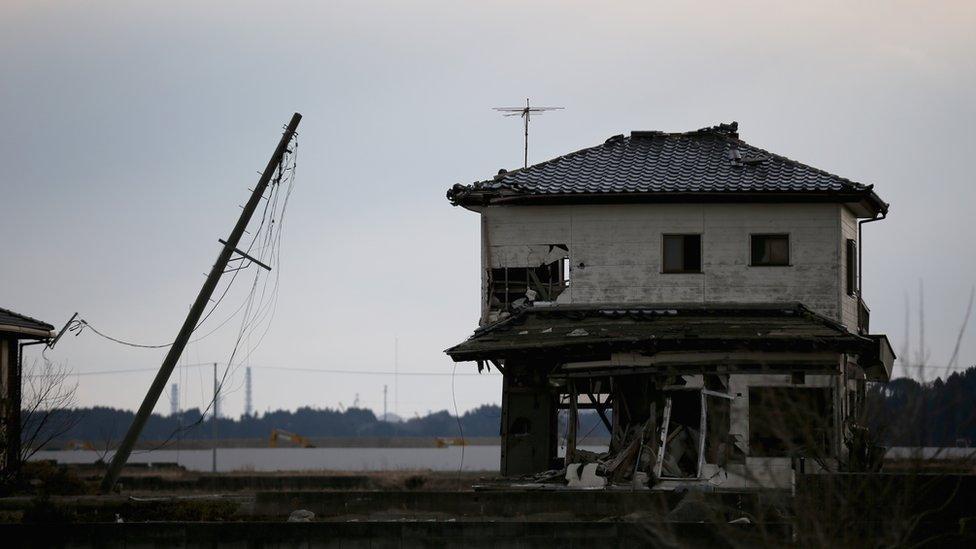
(510, 287)
(718, 404)
(683, 427)
(789, 421)
(851, 257)
(770, 250)
(682, 253)
(684, 435)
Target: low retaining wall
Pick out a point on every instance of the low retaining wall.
(509, 504)
(375, 534)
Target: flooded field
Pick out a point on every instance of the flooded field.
(476, 458)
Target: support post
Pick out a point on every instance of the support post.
(196, 311)
(573, 423)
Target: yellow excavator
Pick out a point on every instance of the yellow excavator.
(294, 438)
(445, 442)
(79, 445)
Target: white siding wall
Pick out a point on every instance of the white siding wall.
(620, 246)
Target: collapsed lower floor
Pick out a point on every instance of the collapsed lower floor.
(731, 398)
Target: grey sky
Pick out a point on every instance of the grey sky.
(131, 132)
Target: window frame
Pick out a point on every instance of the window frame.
(701, 253)
(850, 267)
(789, 250)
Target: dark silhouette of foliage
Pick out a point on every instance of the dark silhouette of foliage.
(905, 412)
(100, 424)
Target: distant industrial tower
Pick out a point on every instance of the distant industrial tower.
(248, 404)
(174, 399)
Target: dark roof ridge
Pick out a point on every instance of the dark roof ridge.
(730, 129)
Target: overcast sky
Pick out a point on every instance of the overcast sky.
(131, 132)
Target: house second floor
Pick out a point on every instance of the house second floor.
(671, 219)
(593, 254)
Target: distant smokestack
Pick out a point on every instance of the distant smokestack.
(174, 399)
(248, 405)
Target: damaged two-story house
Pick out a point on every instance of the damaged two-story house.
(700, 294)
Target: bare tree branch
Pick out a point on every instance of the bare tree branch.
(48, 398)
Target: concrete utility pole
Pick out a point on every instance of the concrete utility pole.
(196, 311)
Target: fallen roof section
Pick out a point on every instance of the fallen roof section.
(706, 165)
(561, 332)
(23, 325)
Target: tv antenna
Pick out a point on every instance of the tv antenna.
(526, 113)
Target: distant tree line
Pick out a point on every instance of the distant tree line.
(905, 412)
(101, 424)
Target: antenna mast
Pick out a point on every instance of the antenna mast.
(526, 113)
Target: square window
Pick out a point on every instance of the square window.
(682, 253)
(770, 250)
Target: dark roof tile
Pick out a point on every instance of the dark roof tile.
(643, 327)
(709, 160)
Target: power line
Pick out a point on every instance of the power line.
(359, 372)
(271, 239)
(278, 368)
(368, 372)
(272, 243)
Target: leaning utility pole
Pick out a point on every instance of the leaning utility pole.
(196, 311)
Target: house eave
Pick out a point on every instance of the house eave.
(787, 327)
(21, 332)
(864, 204)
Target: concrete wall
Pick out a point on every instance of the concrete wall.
(615, 251)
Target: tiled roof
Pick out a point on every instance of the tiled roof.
(577, 330)
(710, 161)
(14, 320)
